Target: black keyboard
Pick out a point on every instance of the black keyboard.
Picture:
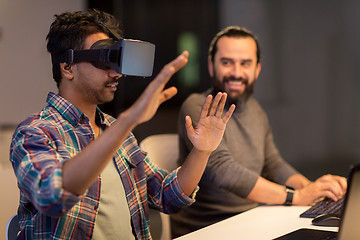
(326, 205)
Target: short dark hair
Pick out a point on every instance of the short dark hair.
(232, 31)
(70, 29)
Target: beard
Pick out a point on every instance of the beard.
(239, 99)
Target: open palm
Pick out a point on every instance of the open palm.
(209, 131)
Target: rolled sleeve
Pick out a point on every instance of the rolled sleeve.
(165, 192)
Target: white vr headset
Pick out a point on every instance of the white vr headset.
(125, 56)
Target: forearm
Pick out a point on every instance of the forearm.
(80, 172)
(297, 181)
(267, 192)
(191, 171)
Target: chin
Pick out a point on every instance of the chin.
(235, 96)
(105, 100)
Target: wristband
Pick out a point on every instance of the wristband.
(289, 196)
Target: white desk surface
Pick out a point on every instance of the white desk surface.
(261, 223)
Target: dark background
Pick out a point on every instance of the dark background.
(309, 80)
(162, 23)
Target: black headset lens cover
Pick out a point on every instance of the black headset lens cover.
(110, 56)
(126, 56)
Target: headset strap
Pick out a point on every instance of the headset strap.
(75, 56)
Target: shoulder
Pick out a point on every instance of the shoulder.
(50, 122)
(254, 110)
(194, 101)
(195, 98)
(44, 118)
(254, 105)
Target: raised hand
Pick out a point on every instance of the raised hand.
(209, 131)
(147, 104)
(205, 138)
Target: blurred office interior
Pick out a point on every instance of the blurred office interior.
(308, 84)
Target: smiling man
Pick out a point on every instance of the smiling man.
(80, 172)
(235, 67)
(246, 168)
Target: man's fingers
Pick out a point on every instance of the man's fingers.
(228, 113)
(335, 189)
(205, 107)
(221, 105)
(189, 126)
(214, 104)
(158, 84)
(167, 94)
(172, 67)
(180, 61)
(216, 107)
(339, 182)
(343, 183)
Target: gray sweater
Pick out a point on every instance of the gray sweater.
(246, 152)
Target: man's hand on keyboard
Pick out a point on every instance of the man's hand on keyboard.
(330, 186)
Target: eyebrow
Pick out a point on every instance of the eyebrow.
(247, 60)
(231, 59)
(226, 59)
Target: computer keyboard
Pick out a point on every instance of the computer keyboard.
(326, 205)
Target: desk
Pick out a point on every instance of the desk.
(261, 223)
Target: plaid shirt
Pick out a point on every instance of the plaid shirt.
(44, 141)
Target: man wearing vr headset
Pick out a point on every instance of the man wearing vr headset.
(80, 172)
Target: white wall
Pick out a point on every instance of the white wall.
(25, 68)
(25, 77)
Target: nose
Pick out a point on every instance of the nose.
(238, 70)
(113, 74)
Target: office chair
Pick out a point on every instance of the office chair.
(12, 228)
(163, 150)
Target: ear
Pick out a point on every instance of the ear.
(257, 70)
(211, 68)
(66, 70)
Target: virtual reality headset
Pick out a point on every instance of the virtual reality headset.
(125, 56)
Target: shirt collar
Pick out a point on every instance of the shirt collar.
(70, 112)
